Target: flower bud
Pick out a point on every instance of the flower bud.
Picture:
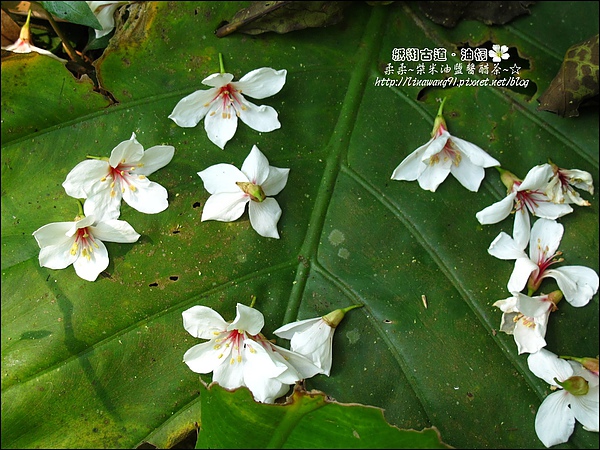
(253, 190)
(508, 178)
(334, 318)
(575, 385)
(555, 297)
(439, 124)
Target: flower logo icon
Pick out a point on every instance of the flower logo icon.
(499, 52)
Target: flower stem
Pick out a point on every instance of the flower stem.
(441, 108)
(221, 66)
(80, 206)
(345, 310)
(252, 301)
(65, 42)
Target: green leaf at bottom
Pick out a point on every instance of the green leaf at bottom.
(306, 420)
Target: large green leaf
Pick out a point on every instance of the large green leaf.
(100, 364)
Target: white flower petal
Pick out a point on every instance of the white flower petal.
(554, 421)
(549, 210)
(218, 128)
(53, 233)
(521, 228)
(276, 181)
(434, 174)
(230, 373)
(316, 344)
(545, 239)
(82, 178)
(287, 331)
(256, 166)
(475, 154)
(115, 231)
(247, 319)
(190, 110)
(84, 222)
(434, 146)
(547, 366)
(261, 118)
(103, 205)
(537, 178)
(207, 356)
(412, 166)
(529, 340)
(104, 12)
(264, 217)
(261, 83)
(580, 179)
(507, 305)
(129, 152)
(578, 283)
(89, 269)
(225, 206)
(508, 323)
(524, 267)
(57, 256)
(262, 373)
(218, 80)
(533, 306)
(302, 364)
(148, 197)
(203, 322)
(585, 408)
(497, 211)
(155, 158)
(259, 364)
(221, 178)
(505, 247)
(468, 174)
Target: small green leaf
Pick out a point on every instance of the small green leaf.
(74, 12)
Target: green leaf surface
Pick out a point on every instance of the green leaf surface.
(298, 423)
(38, 93)
(100, 364)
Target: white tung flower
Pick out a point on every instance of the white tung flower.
(526, 319)
(313, 338)
(80, 243)
(239, 355)
(231, 188)
(560, 187)
(443, 154)
(578, 283)
(24, 45)
(524, 197)
(104, 182)
(575, 400)
(221, 105)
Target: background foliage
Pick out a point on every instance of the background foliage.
(100, 364)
